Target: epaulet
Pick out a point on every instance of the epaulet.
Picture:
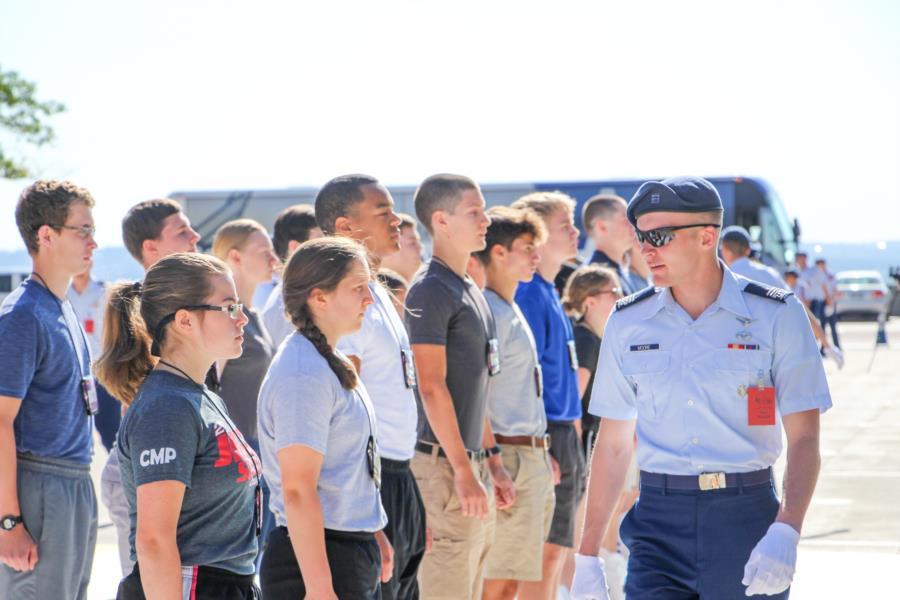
(635, 298)
(767, 291)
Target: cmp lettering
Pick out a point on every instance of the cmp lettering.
(157, 457)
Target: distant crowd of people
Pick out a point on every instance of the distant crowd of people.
(316, 412)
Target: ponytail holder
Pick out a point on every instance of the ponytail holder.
(137, 288)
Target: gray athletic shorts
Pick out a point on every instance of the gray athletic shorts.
(59, 510)
(565, 447)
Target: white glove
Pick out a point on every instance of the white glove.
(770, 569)
(590, 579)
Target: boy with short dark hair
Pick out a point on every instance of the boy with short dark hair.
(516, 406)
(154, 229)
(360, 208)
(48, 509)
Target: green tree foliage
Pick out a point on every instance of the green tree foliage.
(24, 117)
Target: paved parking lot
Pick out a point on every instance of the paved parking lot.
(851, 541)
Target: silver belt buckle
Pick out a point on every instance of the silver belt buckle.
(712, 481)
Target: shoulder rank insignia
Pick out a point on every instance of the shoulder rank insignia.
(635, 297)
(767, 291)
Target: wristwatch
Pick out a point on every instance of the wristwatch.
(9, 522)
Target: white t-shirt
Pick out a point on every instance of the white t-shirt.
(89, 307)
(263, 291)
(378, 345)
(275, 320)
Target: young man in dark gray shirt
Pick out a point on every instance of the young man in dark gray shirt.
(454, 343)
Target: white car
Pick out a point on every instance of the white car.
(861, 293)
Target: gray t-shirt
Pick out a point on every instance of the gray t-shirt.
(514, 403)
(302, 402)
(447, 310)
(176, 430)
(242, 376)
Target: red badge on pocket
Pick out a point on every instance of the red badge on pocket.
(760, 406)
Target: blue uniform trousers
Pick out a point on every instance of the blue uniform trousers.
(694, 544)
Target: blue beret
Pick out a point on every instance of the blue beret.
(738, 234)
(676, 194)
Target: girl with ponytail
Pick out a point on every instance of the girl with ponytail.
(318, 441)
(190, 478)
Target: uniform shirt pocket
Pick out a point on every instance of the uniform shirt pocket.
(644, 370)
(753, 364)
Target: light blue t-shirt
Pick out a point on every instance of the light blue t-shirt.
(41, 345)
(301, 401)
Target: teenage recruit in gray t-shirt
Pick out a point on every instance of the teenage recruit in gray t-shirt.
(302, 402)
(515, 406)
(177, 430)
(447, 310)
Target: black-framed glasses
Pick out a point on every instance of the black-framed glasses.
(234, 313)
(661, 236)
(234, 310)
(84, 232)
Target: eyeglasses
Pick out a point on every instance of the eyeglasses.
(84, 232)
(234, 313)
(234, 310)
(661, 236)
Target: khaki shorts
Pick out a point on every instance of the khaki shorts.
(454, 569)
(523, 527)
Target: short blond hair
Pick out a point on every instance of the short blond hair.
(233, 235)
(546, 203)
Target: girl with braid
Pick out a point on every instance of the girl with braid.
(318, 440)
(190, 477)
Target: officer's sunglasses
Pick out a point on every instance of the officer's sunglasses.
(661, 236)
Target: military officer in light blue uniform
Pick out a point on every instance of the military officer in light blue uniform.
(735, 248)
(708, 368)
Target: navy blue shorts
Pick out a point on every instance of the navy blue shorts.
(692, 544)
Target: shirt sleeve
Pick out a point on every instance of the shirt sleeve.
(301, 412)
(164, 441)
(19, 352)
(275, 321)
(529, 301)
(429, 310)
(612, 396)
(797, 370)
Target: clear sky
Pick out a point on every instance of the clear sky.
(166, 96)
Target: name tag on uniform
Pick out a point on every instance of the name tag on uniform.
(493, 356)
(643, 347)
(373, 457)
(573, 355)
(760, 406)
(89, 395)
(409, 368)
(538, 381)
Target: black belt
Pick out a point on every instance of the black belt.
(707, 481)
(436, 450)
(394, 466)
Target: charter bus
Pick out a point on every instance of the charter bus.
(748, 201)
